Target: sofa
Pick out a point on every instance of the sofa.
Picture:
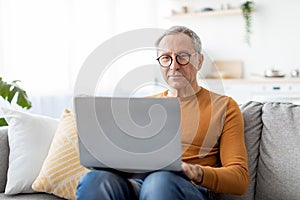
(272, 136)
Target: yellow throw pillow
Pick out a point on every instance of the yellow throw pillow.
(61, 170)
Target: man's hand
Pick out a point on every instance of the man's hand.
(193, 172)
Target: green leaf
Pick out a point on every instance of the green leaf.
(1, 83)
(23, 100)
(3, 86)
(5, 90)
(12, 94)
(3, 122)
(9, 91)
(247, 9)
(15, 81)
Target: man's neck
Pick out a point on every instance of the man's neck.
(186, 92)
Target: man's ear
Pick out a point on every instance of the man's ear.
(201, 59)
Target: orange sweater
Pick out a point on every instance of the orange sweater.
(213, 137)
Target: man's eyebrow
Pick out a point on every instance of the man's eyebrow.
(170, 52)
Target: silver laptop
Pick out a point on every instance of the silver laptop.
(132, 135)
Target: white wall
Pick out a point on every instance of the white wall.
(44, 43)
(38, 35)
(275, 39)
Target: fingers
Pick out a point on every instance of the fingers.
(187, 170)
(193, 172)
(198, 174)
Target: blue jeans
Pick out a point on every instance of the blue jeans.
(162, 185)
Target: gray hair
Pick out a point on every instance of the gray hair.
(182, 29)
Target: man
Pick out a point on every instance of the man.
(214, 157)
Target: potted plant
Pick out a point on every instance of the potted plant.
(8, 91)
(247, 10)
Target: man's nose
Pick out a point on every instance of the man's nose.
(175, 66)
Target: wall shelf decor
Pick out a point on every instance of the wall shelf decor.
(205, 14)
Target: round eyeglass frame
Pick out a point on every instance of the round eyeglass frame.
(176, 58)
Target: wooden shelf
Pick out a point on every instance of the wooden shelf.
(254, 80)
(206, 14)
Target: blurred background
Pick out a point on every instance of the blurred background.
(44, 43)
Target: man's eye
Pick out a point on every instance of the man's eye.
(165, 58)
(183, 56)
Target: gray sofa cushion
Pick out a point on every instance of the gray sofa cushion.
(4, 151)
(252, 112)
(278, 175)
(39, 196)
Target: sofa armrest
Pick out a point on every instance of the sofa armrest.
(4, 152)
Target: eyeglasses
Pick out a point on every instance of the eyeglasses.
(182, 59)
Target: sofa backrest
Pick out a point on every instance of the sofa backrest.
(4, 151)
(272, 138)
(252, 112)
(278, 171)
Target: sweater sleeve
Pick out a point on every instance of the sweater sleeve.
(232, 176)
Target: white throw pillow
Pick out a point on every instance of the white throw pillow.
(29, 138)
